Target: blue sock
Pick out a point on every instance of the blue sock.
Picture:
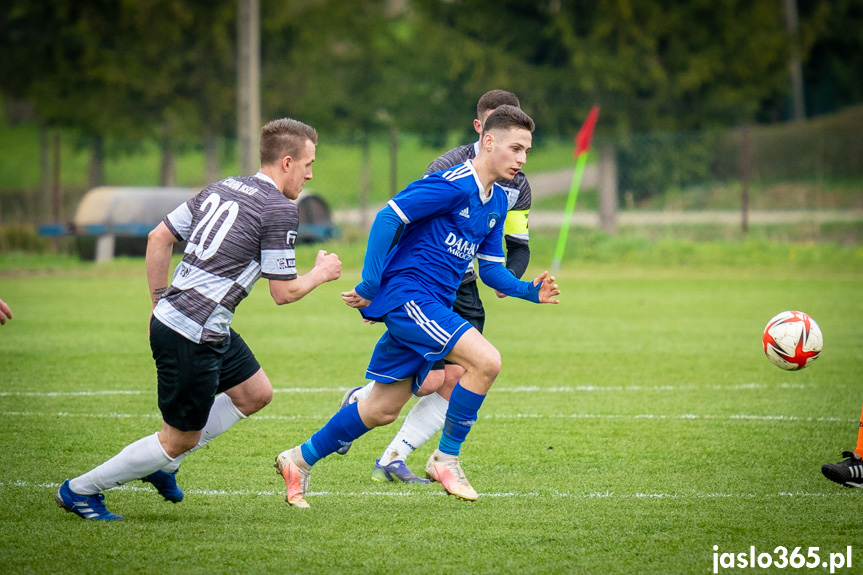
(343, 427)
(460, 417)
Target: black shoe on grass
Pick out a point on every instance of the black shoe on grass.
(848, 472)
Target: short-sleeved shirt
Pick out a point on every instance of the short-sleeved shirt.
(449, 221)
(517, 191)
(236, 231)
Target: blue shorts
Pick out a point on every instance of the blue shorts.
(419, 333)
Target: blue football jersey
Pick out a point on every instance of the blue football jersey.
(448, 222)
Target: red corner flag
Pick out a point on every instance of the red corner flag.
(582, 145)
(582, 139)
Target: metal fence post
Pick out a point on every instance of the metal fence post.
(744, 177)
(608, 189)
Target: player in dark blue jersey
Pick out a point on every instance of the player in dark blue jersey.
(428, 415)
(450, 217)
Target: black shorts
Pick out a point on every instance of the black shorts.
(190, 375)
(469, 306)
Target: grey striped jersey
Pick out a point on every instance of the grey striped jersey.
(517, 192)
(236, 230)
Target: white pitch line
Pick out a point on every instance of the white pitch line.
(432, 491)
(114, 415)
(690, 416)
(69, 393)
(684, 387)
(148, 392)
(648, 416)
(512, 389)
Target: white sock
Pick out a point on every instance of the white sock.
(137, 460)
(424, 420)
(361, 393)
(223, 415)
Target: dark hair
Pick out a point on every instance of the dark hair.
(508, 118)
(285, 137)
(494, 99)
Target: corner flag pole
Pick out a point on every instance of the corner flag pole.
(582, 145)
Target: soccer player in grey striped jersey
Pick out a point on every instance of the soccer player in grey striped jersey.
(236, 231)
(427, 416)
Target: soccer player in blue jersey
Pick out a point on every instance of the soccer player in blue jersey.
(236, 230)
(449, 218)
(427, 416)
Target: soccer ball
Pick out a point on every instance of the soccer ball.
(792, 340)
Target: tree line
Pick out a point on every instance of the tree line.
(166, 69)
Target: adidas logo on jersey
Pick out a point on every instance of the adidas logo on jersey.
(464, 213)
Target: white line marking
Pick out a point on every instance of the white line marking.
(433, 491)
(114, 415)
(661, 417)
(150, 391)
(683, 387)
(513, 389)
(69, 393)
(667, 417)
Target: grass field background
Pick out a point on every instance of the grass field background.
(633, 427)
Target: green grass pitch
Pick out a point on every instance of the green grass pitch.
(633, 428)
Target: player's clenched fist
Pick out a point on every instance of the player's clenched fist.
(329, 265)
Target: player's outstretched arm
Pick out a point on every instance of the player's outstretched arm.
(160, 245)
(517, 254)
(541, 290)
(5, 312)
(381, 238)
(548, 289)
(327, 268)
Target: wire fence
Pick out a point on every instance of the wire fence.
(814, 165)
